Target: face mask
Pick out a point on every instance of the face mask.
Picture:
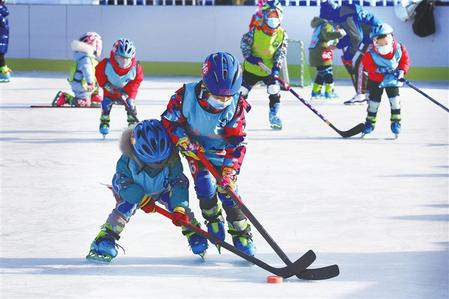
(384, 50)
(216, 104)
(273, 23)
(123, 62)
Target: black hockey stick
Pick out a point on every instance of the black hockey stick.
(424, 94)
(312, 274)
(345, 134)
(297, 267)
(292, 269)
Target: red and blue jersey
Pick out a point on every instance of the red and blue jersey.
(221, 133)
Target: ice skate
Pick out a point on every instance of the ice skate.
(104, 125)
(396, 128)
(103, 248)
(275, 121)
(369, 127)
(5, 74)
(198, 244)
(59, 100)
(241, 237)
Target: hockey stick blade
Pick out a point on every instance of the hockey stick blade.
(320, 273)
(236, 198)
(293, 269)
(349, 133)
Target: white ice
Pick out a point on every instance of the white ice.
(377, 207)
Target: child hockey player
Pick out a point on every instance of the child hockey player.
(5, 71)
(149, 170)
(120, 76)
(358, 24)
(86, 51)
(209, 116)
(387, 62)
(267, 44)
(324, 39)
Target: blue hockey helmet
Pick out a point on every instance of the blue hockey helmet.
(125, 48)
(330, 10)
(381, 29)
(222, 74)
(151, 142)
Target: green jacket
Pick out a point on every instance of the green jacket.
(324, 36)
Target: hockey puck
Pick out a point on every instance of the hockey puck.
(274, 279)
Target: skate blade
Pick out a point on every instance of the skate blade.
(202, 256)
(218, 248)
(276, 127)
(98, 258)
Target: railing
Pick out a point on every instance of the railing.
(381, 3)
(159, 2)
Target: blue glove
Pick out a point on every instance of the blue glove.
(254, 59)
(399, 74)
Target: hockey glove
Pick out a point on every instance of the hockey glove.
(227, 180)
(399, 74)
(179, 216)
(254, 59)
(147, 204)
(188, 148)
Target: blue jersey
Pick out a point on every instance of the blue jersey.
(135, 180)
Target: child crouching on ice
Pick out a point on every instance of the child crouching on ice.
(87, 50)
(149, 170)
(386, 62)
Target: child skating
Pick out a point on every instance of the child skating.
(265, 43)
(120, 76)
(324, 39)
(209, 116)
(386, 62)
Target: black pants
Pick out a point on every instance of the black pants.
(324, 75)
(2, 60)
(375, 92)
(375, 96)
(249, 80)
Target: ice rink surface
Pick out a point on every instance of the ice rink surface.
(377, 207)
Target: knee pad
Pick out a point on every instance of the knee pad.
(395, 103)
(205, 185)
(210, 209)
(273, 89)
(373, 106)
